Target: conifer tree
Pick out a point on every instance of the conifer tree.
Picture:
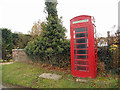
(53, 30)
(51, 46)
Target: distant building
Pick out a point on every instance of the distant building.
(106, 41)
(102, 41)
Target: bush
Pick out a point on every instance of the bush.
(59, 56)
(108, 56)
(20, 40)
(10, 60)
(5, 60)
(6, 44)
(1, 61)
(104, 55)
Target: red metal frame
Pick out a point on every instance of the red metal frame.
(83, 67)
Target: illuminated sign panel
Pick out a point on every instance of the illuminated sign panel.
(80, 21)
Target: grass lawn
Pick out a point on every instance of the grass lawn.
(27, 75)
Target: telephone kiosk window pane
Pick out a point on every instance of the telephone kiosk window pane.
(80, 40)
(74, 35)
(82, 63)
(80, 35)
(86, 34)
(80, 57)
(74, 40)
(74, 46)
(80, 29)
(81, 68)
(81, 46)
(74, 51)
(86, 29)
(74, 31)
(81, 51)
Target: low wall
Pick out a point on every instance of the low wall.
(19, 55)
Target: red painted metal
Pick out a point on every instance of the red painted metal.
(83, 46)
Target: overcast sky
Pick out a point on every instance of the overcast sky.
(19, 15)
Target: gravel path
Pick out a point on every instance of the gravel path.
(1, 86)
(6, 63)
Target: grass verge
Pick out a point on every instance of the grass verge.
(27, 75)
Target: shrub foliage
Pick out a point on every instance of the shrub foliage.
(109, 55)
(20, 40)
(6, 43)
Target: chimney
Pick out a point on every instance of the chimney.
(108, 38)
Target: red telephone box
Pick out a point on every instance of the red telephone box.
(83, 46)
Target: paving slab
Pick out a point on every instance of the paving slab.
(50, 76)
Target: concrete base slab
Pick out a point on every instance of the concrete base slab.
(81, 80)
(50, 76)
